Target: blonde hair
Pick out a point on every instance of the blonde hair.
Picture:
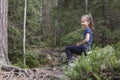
(89, 18)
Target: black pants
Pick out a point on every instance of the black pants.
(74, 49)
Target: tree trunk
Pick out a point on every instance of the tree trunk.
(104, 24)
(24, 34)
(3, 32)
(46, 19)
(86, 5)
(41, 19)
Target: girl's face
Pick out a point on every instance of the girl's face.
(84, 22)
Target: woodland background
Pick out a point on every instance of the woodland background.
(54, 24)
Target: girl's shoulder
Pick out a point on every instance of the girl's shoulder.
(88, 30)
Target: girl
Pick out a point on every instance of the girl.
(84, 45)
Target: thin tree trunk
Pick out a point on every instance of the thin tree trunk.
(86, 3)
(24, 35)
(56, 24)
(46, 19)
(41, 19)
(3, 32)
(104, 24)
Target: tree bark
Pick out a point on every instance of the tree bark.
(86, 3)
(24, 34)
(104, 24)
(3, 32)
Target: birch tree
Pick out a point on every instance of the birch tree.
(24, 34)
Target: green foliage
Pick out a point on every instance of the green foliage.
(20, 64)
(68, 14)
(93, 66)
(42, 59)
(63, 26)
(71, 38)
(33, 23)
(64, 20)
(15, 16)
(31, 62)
(15, 32)
(15, 43)
(117, 46)
(33, 59)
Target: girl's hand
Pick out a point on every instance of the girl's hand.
(79, 43)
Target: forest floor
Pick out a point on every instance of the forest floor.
(51, 71)
(44, 73)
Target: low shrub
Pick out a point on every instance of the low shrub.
(33, 59)
(101, 64)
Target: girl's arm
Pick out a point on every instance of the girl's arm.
(85, 40)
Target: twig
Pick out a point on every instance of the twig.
(18, 76)
(44, 76)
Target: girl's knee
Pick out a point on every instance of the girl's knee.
(67, 48)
